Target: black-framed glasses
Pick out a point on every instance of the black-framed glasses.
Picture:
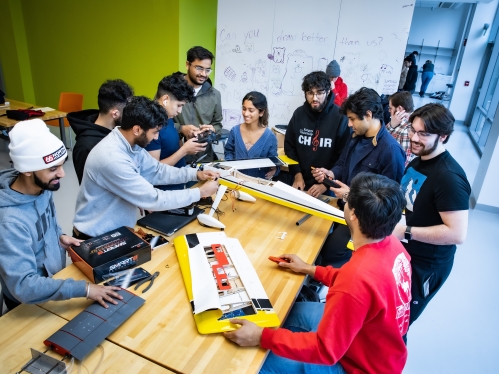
(345, 197)
(200, 69)
(421, 134)
(319, 94)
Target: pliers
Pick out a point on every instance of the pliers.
(149, 278)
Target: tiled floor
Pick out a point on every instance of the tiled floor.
(457, 331)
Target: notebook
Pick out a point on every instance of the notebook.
(167, 224)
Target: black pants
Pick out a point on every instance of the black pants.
(334, 252)
(9, 303)
(426, 281)
(81, 236)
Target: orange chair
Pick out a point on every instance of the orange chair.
(68, 102)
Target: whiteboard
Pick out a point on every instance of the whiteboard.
(270, 45)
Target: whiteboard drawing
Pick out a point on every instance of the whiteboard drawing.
(385, 70)
(237, 49)
(298, 65)
(260, 73)
(280, 111)
(235, 96)
(278, 55)
(231, 118)
(246, 81)
(322, 64)
(230, 74)
(249, 47)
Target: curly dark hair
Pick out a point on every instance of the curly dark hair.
(436, 118)
(176, 87)
(363, 100)
(113, 93)
(146, 113)
(318, 80)
(260, 102)
(199, 53)
(377, 202)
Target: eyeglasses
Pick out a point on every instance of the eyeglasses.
(200, 69)
(319, 94)
(421, 134)
(345, 197)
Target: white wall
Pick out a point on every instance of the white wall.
(472, 59)
(431, 26)
(437, 24)
(488, 194)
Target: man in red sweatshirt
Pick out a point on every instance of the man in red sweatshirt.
(338, 87)
(360, 327)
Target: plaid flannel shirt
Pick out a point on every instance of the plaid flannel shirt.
(401, 135)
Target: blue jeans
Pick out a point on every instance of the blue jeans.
(426, 77)
(304, 317)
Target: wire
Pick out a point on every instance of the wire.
(70, 368)
(101, 359)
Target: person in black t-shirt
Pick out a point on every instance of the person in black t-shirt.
(437, 194)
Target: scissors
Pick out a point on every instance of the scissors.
(149, 278)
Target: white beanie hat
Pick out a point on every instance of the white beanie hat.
(33, 147)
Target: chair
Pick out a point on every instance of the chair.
(68, 102)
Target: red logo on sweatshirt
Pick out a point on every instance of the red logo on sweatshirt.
(315, 140)
(55, 156)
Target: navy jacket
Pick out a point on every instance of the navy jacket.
(386, 158)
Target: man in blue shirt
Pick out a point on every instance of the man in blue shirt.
(370, 148)
(173, 93)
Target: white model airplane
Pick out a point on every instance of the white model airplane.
(246, 187)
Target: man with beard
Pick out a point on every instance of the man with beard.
(120, 175)
(206, 113)
(92, 125)
(32, 245)
(437, 196)
(370, 148)
(316, 133)
(360, 327)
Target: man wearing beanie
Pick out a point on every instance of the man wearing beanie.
(120, 175)
(338, 87)
(32, 245)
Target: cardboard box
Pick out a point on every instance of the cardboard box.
(117, 250)
(280, 138)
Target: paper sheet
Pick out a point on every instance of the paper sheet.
(45, 109)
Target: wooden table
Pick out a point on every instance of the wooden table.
(53, 114)
(28, 326)
(163, 330)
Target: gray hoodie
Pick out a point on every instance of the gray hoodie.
(118, 179)
(30, 252)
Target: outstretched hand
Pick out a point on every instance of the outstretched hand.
(101, 294)
(68, 241)
(297, 265)
(339, 192)
(248, 335)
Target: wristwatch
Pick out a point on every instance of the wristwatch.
(408, 233)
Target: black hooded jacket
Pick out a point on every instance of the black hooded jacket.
(315, 138)
(88, 134)
(412, 77)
